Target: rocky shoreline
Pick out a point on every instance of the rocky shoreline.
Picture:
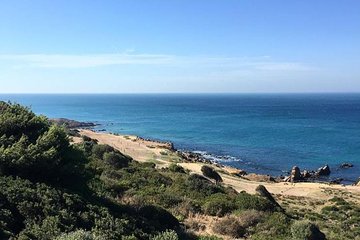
(295, 175)
(72, 124)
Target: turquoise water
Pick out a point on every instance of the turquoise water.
(264, 133)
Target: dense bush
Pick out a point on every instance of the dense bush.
(173, 167)
(218, 204)
(98, 150)
(304, 230)
(209, 238)
(246, 201)
(274, 226)
(116, 160)
(159, 217)
(45, 212)
(78, 235)
(16, 121)
(198, 185)
(29, 146)
(167, 235)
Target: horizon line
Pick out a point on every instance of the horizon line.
(166, 93)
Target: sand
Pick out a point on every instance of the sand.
(159, 153)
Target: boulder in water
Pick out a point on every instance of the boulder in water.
(346, 165)
(323, 171)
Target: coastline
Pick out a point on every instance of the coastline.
(163, 154)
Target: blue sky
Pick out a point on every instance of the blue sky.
(179, 46)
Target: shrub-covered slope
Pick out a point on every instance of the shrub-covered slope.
(51, 189)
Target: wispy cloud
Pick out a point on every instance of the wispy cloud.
(262, 63)
(84, 61)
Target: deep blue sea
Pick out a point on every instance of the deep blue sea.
(264, 133)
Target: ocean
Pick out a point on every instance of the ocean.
(262, 133)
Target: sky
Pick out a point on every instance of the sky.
(187, 46)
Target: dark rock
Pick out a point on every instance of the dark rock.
(194, 157)
(336, 181)
(211, 173)
(346, 165)
(306, 174)
(71, 124)
(287, 179)
(323, 171)
(295, 174)
(357, 183)
(262, 191)
(241, 173)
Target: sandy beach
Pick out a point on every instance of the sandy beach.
(143, 150)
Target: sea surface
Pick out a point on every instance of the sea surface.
(263, 133)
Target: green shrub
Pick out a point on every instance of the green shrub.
(159, 217)
(304, 230)
(329, 209)
(49, 212)
(218, 204)
(99, 150)
(37, 161)
(274, 226)
(86, 138)
(78, 235)
(116, 160)
(17, 121)
(168, 200)
(198, 187)
(244, 201)
(173, 167)
(167, 235)
(148, 165)
(209, 238)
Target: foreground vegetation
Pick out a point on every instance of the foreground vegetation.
(51, 189)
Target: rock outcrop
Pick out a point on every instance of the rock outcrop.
(357, 183)
(263, 192)
(346, 165)
(295, 174)
(323, 171)
(306, 174)
(193, 157)
(71, 124)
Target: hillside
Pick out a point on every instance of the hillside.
(51, 189)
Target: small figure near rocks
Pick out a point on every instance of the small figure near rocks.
(323, 171)
(295, 174)
(346, 165)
